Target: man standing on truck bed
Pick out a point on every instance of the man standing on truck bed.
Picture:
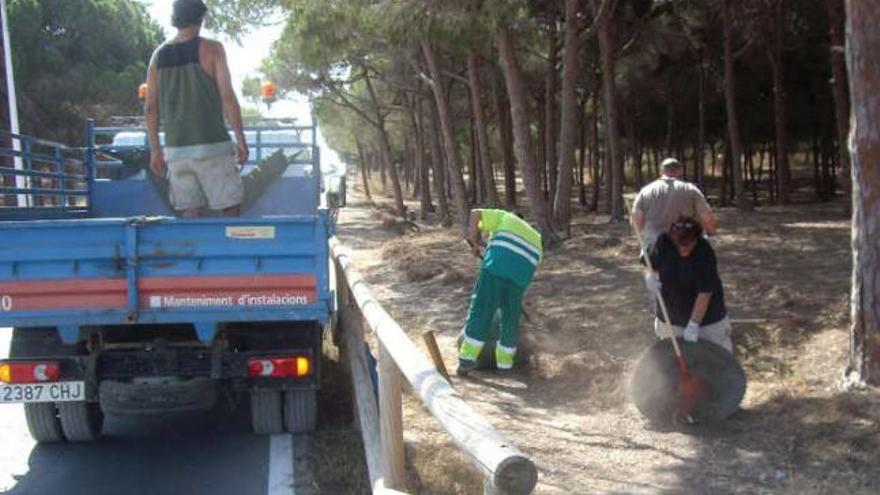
(189, 89)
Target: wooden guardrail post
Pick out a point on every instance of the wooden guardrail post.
(367, 409)
(391, 419)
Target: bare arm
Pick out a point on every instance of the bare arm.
(231, 109)
(637, 217)
(474, 227)
(700, 307)
(704, 211)
(151, 113)
(709, 222)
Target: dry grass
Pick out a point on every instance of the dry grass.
(797, 433)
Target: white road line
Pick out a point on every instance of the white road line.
(281, 474)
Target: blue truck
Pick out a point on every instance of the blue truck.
(118, 306)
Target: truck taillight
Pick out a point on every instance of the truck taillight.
(280, 367)
(29, 372)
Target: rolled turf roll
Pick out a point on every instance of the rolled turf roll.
(655, 383)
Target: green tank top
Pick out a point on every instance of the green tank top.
(190, 109)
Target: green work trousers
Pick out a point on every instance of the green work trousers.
(490, 294)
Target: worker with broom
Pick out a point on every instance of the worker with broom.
(509, 260)
(685, 266)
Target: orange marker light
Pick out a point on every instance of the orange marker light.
(268, 91)
(142, 91)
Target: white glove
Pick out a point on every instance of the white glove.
(652, 282)
(691, 331)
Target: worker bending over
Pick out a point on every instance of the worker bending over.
(687, 277)
(508, 264)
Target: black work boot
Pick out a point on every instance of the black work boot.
(465, 366)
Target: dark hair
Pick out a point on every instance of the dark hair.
(685, 230)
(188, 13)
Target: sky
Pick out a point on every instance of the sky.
(244, 60)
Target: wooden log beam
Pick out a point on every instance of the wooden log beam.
(508, 469)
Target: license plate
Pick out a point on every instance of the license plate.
(43, 392)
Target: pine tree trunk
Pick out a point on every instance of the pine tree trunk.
(569, 123)
(383, 160)
(438, 164)
(488, 172)
(863, 45)
(422, 187)
(840, 93)
(550, 112)
(362, 164)
(453, 158)
(425, 182)
(597, 152)
(505, 135)
(386, 149)
(409, 157)
(473, 189)
(742, 201)
(521, 134)
(612, 137)
(582, 158)
(777, 69)
(701, 132)
(541, 155)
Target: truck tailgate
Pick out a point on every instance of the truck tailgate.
(163, 270)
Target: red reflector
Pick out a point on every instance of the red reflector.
(279, 367)
(30, 372)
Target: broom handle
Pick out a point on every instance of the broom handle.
(659, 295)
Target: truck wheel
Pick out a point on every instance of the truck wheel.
(300, 410)
(42, 422)
(266, 412)
(81, 421)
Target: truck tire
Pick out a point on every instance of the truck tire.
(80, 421)
(300, 410)
(42, 422)
(266, 417)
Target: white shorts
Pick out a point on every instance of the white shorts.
(717, 333)
(212, 182)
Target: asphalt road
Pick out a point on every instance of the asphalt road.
(212, 453)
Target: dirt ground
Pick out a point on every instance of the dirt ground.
(798, 431)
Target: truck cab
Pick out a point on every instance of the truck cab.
(119, 306)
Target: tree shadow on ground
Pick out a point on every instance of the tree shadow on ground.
(788, 445)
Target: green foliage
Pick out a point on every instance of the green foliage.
(75, 59)
(250, 89)
(238, 17)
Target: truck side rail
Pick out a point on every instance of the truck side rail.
(106, 153)
(42, 179)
